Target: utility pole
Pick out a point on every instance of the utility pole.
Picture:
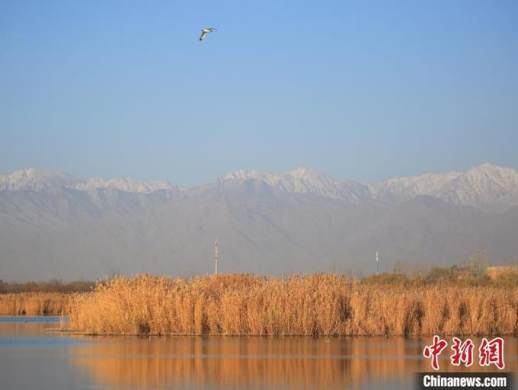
(377, 263)
(216, 257)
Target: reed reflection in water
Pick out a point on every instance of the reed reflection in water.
(259, 362)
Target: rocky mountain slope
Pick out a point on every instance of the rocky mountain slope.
(56, 226)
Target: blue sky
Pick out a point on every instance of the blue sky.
(363, 90)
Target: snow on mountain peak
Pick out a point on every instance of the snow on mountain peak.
(303, 180)
(38, 180)
(483, 186)
(480, 186)
(123, 184)
(403, 188)
(309, 181)
(298, 174)
(493, 171)
(305, 173)
(34, 180)
(244, 175)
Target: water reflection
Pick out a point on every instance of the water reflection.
(30, 357)
(255, 362)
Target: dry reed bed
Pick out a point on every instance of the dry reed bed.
(318, 304)
(34, 304)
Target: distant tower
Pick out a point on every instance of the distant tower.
(216, 257)
(377, 263)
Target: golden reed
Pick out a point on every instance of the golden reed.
(310, 305)
(34, 304)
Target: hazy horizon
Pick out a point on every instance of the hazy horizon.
(211, 180)
(54, 226)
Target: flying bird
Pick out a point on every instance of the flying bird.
(205, 31)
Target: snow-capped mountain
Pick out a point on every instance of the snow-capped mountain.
(483, 186)
(304, 181)
(124, 184)
(34, 180)
(53, 225)
(404, 188)
(38, 180)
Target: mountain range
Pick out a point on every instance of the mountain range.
(54, 225)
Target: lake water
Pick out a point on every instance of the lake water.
(33, 358)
